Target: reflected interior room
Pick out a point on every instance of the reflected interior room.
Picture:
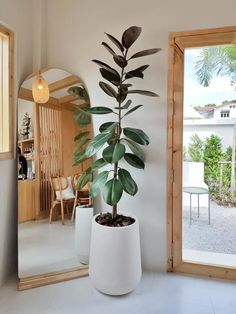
(47, 194)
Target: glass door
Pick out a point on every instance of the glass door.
(201, 153)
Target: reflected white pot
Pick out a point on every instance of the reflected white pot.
(83, 226)
(115, 259)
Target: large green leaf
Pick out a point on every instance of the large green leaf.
(108, 89)
(142, 92)
(107, 126)
(108, 48)
(82, 117)
(125, 106)
(81, 143)
(110, 76)
(111, 127)
(88, 170)
(83, 180)
(99, 110)
(112, 192)
(113, 153)
(120, 60)
(79, 157)
(130, 36)
(99, 163)
(146, 52)
(132, 110)
(134, 73)
(137, 72)
(98, 183)
(135, 148)
(129, 185)
(134, 161)
(79, 92)
(122, 93)
(107, 67)
(97, 143)
(81, 135)
(115, 41)
(76, 91)
(137, 135)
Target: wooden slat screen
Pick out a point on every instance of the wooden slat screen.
(50, 157)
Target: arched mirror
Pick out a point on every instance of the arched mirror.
(50, 249)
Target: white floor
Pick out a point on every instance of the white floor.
(45, 247)
(156, 294)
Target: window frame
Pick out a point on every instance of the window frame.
(178, 42)
(10, 154)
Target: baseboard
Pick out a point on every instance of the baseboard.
(50, 278)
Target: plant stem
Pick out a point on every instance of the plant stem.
(114, 208)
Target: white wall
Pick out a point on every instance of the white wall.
(224, 131)
(75, 31)
(16, 15)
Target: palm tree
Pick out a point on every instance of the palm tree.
(216, 61)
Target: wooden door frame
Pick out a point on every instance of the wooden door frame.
(178, 41)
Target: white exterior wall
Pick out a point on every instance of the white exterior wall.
(224, 131)
(232, 111)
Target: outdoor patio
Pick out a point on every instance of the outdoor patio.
(219, 238)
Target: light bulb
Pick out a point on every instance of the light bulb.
(40, 90)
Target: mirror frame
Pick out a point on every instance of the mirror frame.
(55, 276)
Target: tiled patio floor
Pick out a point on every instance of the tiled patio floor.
(219, 237)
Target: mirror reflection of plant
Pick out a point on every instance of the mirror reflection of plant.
(82, 139)
(116, 138)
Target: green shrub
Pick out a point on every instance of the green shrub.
(226, 179)
(196, 148)
(212, 156)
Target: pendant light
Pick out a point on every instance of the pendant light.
(40, 90)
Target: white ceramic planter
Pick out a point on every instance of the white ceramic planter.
(115, 260)
(83, 226)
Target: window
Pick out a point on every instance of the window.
(224, 114)
(6, 93)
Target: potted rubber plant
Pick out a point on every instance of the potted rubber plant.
(115, 262)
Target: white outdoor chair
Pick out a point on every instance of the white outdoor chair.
(193, 184)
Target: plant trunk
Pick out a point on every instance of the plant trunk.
(114, 208)
(114, 211)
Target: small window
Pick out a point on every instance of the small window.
(224, 114)
(6, 93)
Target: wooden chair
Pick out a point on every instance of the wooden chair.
(81, 197)
(58, 185)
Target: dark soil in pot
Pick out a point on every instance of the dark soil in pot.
(106, 219)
